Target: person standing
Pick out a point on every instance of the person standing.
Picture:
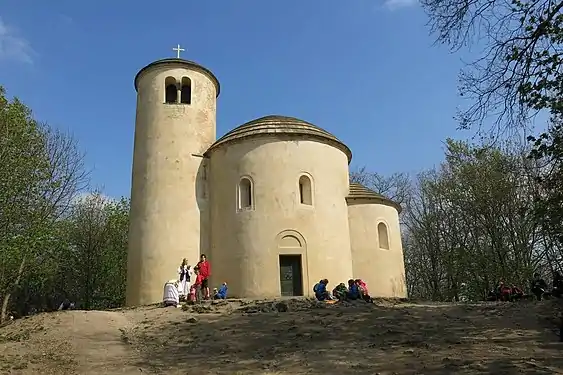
(184, 272)
(195, 290)
(205, 271)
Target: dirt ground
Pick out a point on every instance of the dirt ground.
(289, 337)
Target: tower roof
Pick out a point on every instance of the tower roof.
(280, 125)
(359, 191)
(174, 62)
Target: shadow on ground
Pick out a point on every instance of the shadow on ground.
(303, 336)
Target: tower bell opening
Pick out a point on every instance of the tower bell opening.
(171, 90)
(186, 91)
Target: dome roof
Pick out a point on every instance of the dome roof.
(359, 191)
(272, 125)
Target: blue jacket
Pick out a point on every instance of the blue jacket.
(354, 290)
(319, 289)
(222, 292)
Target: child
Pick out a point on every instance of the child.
(205, 271)
(321, 293)
(221, 293)
(197, 285)
(353, 290)
(340, 292)
(363, 289)
(192, 295)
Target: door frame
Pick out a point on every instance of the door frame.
(295, 258)
(294, 250)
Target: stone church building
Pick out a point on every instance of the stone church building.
(269, 203)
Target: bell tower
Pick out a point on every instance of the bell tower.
(169, 220)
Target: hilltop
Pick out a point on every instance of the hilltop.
(289, 337)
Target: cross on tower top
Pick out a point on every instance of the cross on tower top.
(178, 50)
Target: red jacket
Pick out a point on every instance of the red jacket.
(364, 287)
(204, 269)
(199, 278)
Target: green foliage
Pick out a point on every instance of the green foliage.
(52, 244)
(548, 148)
(517, 75)
(471, 221)
(95, 261)
(24, 171)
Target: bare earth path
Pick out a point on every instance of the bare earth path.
(289, 337)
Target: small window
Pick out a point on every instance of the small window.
(171, 88)
(245, 194)
(186, 91)
(383, 235)
(305, 190)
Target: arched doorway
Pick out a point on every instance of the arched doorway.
(292, 263)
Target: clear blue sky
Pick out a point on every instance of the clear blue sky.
(366, 71)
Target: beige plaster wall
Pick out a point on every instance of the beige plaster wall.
(245, 244)
(382, 270)
(169, 216)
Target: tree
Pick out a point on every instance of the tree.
(86, 261)
(548, 151)
(41, 171)
(517, 75)
(519, 67)
(396, 187)
(93, 267)
(471, 221)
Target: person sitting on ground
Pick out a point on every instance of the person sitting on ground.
(364, 292)
(538, 286)
(516, 293)
(340, 292)
(557, 284)
(66, 305)
(492, 296)
(353, 290)
(222, 292)
(171, 295)
(503, 291)
(320, 290)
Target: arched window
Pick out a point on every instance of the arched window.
(171, 88)
(383, 235)
(186, 91)
(305, 190)
(245, 194)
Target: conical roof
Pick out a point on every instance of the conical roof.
(359, 191)
(280, 125)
